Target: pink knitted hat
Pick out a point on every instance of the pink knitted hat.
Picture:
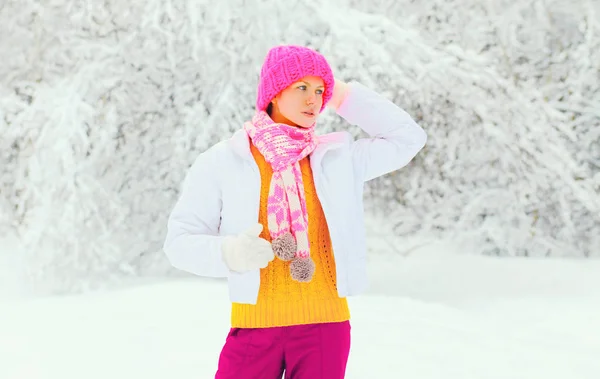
(287, 64)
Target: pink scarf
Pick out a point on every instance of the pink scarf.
(283, 146)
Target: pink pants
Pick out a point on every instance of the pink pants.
(317, 351)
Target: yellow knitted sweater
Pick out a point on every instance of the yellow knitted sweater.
(281, 300)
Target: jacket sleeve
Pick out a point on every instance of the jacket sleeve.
(192, 243)
(394, 137)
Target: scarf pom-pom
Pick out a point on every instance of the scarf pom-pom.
(284, 247)
(302, 269)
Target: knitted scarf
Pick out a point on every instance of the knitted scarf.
(283, 146)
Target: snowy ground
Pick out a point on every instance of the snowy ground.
(426, 316)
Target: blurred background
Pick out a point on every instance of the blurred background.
(105, 104)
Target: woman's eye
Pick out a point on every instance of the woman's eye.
(302, 88)
(320, 91)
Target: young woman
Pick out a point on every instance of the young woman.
(278, 210)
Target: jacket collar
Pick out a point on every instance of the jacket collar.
(240, 143)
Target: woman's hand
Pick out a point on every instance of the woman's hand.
(247, 251)
(340, 90)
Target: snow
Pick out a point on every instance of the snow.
(427, 315)
(104, 105)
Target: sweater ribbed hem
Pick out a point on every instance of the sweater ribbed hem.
(286, 313)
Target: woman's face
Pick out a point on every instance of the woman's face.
(300, 103)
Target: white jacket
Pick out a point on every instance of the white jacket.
(221, 193)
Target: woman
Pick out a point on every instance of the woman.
(278, 210)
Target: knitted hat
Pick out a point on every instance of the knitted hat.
(287, 64)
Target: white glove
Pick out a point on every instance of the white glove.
(247, 251)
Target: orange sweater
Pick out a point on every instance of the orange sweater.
(281, 300)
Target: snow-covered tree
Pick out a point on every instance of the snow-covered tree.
(104, 105)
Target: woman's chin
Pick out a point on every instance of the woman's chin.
(307, 123)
